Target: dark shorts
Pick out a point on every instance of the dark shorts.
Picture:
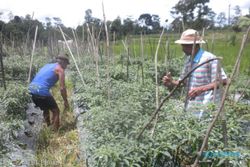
(44, 102)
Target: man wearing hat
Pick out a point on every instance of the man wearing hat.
(203, 81)
(40, 86)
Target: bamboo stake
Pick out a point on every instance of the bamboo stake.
(128, 58)
(142, 59)
(96, 56)
(156, 82)
(108, 56)
(72, 56)
(76, 43)
(32, 55)
(79, 44)
(114, 42)
(170, 94)
(210, 127)
(91, 41)
(98, 46)
(100, 31)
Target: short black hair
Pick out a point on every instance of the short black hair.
(63, 57)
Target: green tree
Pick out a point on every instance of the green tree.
(58, 21)
(221, 19)
(14, 30)
(243, 22)
(88, 16)
(176, 24)
(237, 14)
(48, 22)
(128, 26)
(145, 22)
(149, 23)
(156, 23)
(186, 9)
(116, 27)
(94, 24)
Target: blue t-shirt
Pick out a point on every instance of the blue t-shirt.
(44, 80)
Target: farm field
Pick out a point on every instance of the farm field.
(112, 93)
(223, 44)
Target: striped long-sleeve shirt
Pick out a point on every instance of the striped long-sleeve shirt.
(203, 75)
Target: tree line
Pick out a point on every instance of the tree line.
(187, 14)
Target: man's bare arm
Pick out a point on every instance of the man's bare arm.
(61, 75)
(198, 90)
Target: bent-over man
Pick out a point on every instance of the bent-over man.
(40, 87)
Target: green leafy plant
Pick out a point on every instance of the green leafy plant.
(113, 126)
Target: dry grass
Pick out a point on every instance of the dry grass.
(60, 149)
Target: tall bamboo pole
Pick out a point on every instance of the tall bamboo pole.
(76, 43)
(156, 70)
(95, 52)
(156, 81)
(78, 70)
(128, 58)
(32, 55)
(142, 59)
(107, 51)
(114, 42)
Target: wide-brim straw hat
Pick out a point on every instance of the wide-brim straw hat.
(188, 37)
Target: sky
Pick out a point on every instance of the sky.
(72, 12)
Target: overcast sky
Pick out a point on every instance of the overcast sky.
(72, 12)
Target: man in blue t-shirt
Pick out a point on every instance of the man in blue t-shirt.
(40, 86)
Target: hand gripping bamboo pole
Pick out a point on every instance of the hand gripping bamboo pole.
(170, 94)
